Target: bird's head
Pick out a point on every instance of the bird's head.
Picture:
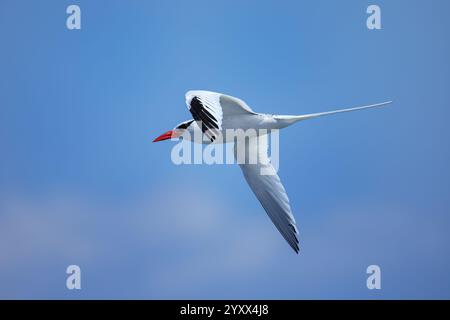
(177, 132)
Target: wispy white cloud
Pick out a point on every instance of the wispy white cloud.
(199, 247)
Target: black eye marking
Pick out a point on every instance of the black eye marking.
(185, 125)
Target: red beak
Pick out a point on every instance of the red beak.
(168, 135)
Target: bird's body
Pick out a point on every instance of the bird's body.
(216, 114)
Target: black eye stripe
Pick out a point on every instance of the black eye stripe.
(185, 125)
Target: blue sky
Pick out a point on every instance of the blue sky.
(81, 183)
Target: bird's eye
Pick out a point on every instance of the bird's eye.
(184, 125)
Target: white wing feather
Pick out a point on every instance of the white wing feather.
(221, 105)
(266, 185)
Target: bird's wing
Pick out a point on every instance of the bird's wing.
(233, 106)
(206, 111)
(210, 108)
(267, 186)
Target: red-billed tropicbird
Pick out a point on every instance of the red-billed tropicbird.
(214, 113)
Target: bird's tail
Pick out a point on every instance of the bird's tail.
(288, 120)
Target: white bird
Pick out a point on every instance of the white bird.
(214, 113)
